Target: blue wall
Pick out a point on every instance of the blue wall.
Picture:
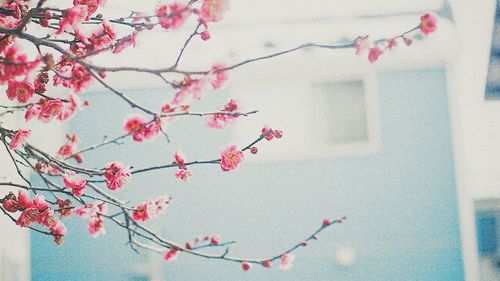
(401, 202)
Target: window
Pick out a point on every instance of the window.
(343, 104)
(321, 118)
(493, 80)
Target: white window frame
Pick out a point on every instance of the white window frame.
(298, 149)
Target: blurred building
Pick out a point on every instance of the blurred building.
(407, 148)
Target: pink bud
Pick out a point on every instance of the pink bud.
(246, 266)
(267, 263)
(215, 240)
(326, 222)
(374, 54)
(407, 41)
(254, 150)
(189, 245)
(278, 134)
(205, 35)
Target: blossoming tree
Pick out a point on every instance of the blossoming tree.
(66, 40)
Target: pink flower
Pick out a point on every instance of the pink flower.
(205, 35)
(14, 63)
(10, 203)
(216, 121)
(24, 200)
(267, 133)
(230, 158)
(374, 54)
(87, 211)
(215, 240)
(96, 227)
(286, 261)
(75, 182)
(173, 15)
(32, 111)
(58, 231)
(40, 203)
(361, 44)
(183, 174)
(47, 218)
(64, 207)
(141, 212)
(246, 266)
(160, 205)
(188, 86)
(28, 217)
(72, 75)
(73, 17)
(220, 77)
(220, 120)
(20, 138)
(70, 107)
(50, 109)
(171, 255)
(134, 125)
(427, 23)
(140, 129)
(92, 5)
(267, 263)
(22, 91)
(179, 157)
(326, 222)
(125, 42)
(116, 175)
(213, 10)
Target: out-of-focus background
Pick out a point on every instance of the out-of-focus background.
(407, 148)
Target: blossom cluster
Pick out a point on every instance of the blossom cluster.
(377, 48)
(150, 209)
(35, 210)
(93, 213)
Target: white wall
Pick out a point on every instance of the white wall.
(476, 122)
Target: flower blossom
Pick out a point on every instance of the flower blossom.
(219, 76)
(14, 62)
(10, 203)
(220, 120)
(172, 16)
(140, 129)
(93, 213)
(23, 91)
(427, 23)
(73, 17)
(171, 255)
(361, 44)
(102, 38)
(64, 207)
(125, 42)
(213, 10)
(246, 266)
(230, 158)
(72, 75)
(286, 261)
(96, 227)
(183, 174)
(159, 205)
(374, 54)
(20, 138)
(92, 5)
(75, 182)
(141, 212)
(116, 175)
(48, 109)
